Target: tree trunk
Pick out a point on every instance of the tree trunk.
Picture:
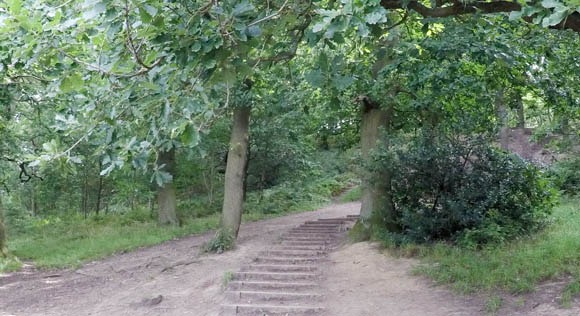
(166, 198)
(502, 116)
(520, 113)
(235, 171)
(3, 250)
(376, 202)
(99, 191)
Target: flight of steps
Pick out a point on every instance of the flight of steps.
(283, 280)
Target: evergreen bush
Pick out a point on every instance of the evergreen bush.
(462, 189)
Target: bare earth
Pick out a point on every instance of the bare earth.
(175, 279)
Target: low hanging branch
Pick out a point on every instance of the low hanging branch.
(26, 174)
(446, 8)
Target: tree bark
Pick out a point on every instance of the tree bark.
(520, 113)
(3, 250)
(235, 171)
(166, 198)
(447, 8)
(502, 116)
(376, 202)
(99, 191)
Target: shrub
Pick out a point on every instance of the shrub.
(222, 241)
(566, 175)
(464, 190)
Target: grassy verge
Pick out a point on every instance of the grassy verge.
(352, 195)
(517, 267)
(68, 241)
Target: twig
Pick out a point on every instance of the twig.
(180, 263)
(271, 16)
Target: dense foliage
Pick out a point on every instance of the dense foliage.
(93, 93)
(566, 175)
(463, 189)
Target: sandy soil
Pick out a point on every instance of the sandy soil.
(175, 279)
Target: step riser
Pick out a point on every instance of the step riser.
(333, 233)
(312, 234)
(321, 222)
(271, 286)
(290, 277)
(306, 248)
(293, 253)
(271, 311)
(272, 260)
(270, 298)
(309, 238)
(305, 243)
(279, 268)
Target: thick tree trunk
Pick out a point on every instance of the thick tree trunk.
(235, 171)
(166, 198)
(376, 202)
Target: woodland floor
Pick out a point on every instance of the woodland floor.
(175, 279)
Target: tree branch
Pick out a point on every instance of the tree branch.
(455, 8)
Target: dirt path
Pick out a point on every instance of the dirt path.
(174, 279)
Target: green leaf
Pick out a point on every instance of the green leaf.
(342, 82)
(555, 18)
(92, 10)
(254, 31)
(152, 11)
(190, 136)
(242, 8)
(515, 15)
(319, 27)
(376, 17)
(162, 177)
(551, 4)
(315, 78)
(71, 83)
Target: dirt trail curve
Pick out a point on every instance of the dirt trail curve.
(174, 279)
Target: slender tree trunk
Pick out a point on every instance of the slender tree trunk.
(33, 201)
(502, 116)
(3, 250)
(99, 191)
(520, 113)
(166, 197)
(235, 171)
(376, 202)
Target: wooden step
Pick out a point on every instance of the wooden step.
(271, 310)
(275, 276)
(293, 253)
(287, 260)
(269, 297)
(271, 286)
(279, 268)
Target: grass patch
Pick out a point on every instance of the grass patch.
(223, 240)
(493, 304)
(352, 195)
(228, 277)
(74, 241)
(516, 267)
(9, 264)
(70, 240)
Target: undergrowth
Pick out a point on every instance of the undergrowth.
(70, 239)
(516, 267)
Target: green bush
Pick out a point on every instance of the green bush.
(464, 190)
(223, 240)
(566, 175)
